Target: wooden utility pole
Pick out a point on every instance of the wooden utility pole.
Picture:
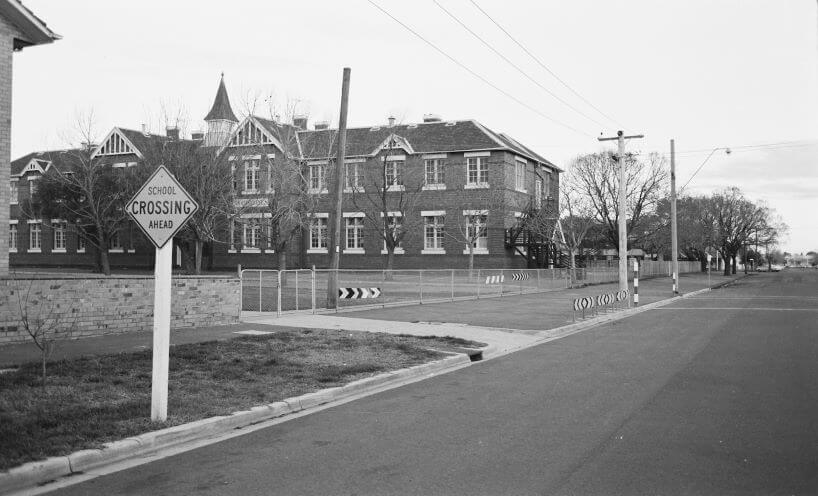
(623, 230)
(674, 238)
(334, 242)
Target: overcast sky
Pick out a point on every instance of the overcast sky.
(709, 73)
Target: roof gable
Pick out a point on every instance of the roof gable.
(116, 143)
(394, 142)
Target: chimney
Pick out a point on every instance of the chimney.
(431, 118)
(391, 120)
(197, 135)
(144, 129)
(300, 121)
(321, 125)
(172, 132)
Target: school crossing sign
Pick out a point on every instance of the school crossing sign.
(161, 207)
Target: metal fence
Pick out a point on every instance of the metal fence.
(305, 289)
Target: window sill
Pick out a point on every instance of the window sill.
(35, 250)
(14, 202)
(433, 251)
(12, 250)
(231, 250)
(251, 250)
(354, 251)
(80, 250)
(477, 251)
(476, 186)
(58, 250)
(357, 189)
(131, 251)
(314, 191)
(398, 251)
(250, 192)
(116, 250)
(317, 251)
(523, 190)
(434, 187)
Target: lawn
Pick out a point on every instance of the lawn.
(93, 400)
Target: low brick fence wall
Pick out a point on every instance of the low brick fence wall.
(92, 306)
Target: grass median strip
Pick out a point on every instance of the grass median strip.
(92, 400)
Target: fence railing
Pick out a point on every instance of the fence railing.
(304, 289)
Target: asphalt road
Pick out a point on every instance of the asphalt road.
(711, 395)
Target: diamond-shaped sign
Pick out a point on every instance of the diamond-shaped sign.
(161, 207)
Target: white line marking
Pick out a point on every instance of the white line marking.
(743, 309)
(252, 332)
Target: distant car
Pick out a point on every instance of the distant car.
(776, 268)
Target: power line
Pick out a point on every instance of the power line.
(541, 64)
(478, 76)
(515, 66)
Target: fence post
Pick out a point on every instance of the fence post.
(260, 274)
(312, 289)
(502, 276)
(420, 278)
(478, 283)
(278, 294)
(452, 284)
(296, 290)
(241, 293)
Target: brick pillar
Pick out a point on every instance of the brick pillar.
(6, 48)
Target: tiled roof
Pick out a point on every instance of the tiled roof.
(286, 134)
(57, 158)
(141, 140)
(423, 138)
(221, 106)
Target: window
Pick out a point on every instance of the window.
(234, 184)
(477, 171)
(351, 177)
(115, 243)
(519, 175)
(59, 227)
(251, 234)
(477, 232)
(394, 173)
(32, 187)
(538, 193)
(35, 235)
(433, 233)
(270, 175)
(13, 238)
(394, 226)
(434, 172)
(80, 244)
(355, 233)
(235, 237)
(14, 192)
(318, 233)
(317, 177)
(251, 169)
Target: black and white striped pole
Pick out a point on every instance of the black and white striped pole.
(675, 285)
(635, 282)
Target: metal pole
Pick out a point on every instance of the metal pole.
(335, 241)
(278, 294)
(260, 274)
(420, 280)
(635, 282)
(452, 284)
(674, 241)
(296, 289)
(312, 288)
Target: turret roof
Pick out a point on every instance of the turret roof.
(221, 106)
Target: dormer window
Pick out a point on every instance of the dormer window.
(116, 144)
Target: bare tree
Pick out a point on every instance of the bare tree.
(472, 229)
(735, 219)
(577, 215)
(386, 191)
(85, 191)
(597, 178)
(42, 320)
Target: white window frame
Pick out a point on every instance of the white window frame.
(14, 191)
(39, 231)
(481, 169)
(320, 179)
(16, 237)
(32, 186)
(438, 224)
(438, 164)
(115, 243)
(352, 165)
(270, 165)
(519, 175)
(357, 220)
(395, 167)
(251, 235)
(470, 216)
(321, 222)
(394, 225)
(252, 167)
(538, 184)
(60, 230)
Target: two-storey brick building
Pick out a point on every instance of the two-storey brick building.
(447, 184)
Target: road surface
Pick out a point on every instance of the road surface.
(715, 394)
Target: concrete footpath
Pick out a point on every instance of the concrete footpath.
(549, 312)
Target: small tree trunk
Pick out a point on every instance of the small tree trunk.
(471, 259)
(198, 257)
(572, 267)
(390, 262)
(44, 360)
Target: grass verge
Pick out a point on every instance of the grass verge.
(93, 400)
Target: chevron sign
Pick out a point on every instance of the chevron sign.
(517, 276)
(358, 293)
(495, 279)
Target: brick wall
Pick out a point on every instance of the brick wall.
(7, 34)
(111, 305)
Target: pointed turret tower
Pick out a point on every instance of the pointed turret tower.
(220, 120)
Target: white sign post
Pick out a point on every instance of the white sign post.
(161, 208)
